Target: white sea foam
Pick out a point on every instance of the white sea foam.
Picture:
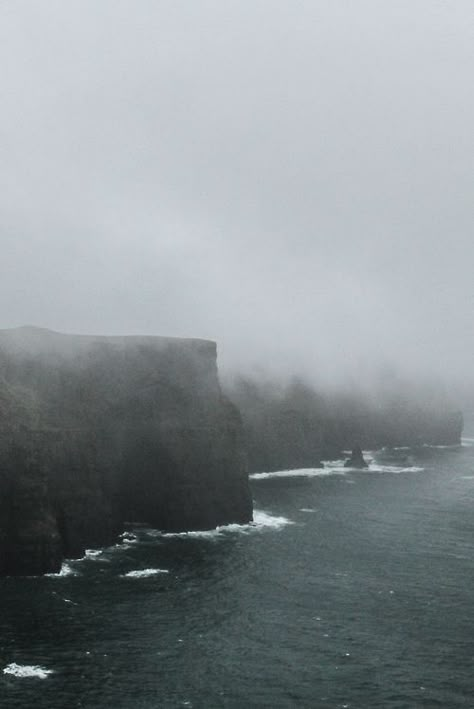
(374, 468)
(451, 445)
(298, 473)
(129, 538)
(201, 534)
(26, 671)
(336, 467)
(99, 555)
(144, 573)
(89, 555)
(261, 520)
(96, 555)
(378, 468)
(66, 570)
(93, 553)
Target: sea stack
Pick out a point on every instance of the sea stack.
(357, 459)
(99, 431)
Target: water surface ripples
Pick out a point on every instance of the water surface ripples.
(353, 589)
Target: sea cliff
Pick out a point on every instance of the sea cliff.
(99, 431)
(298, 426)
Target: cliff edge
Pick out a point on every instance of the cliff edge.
(99, 431)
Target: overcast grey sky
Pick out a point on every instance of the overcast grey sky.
(292, 178)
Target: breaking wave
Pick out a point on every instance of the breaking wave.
(261, 520)
(449, 446)
(66, 570)
(26, 671)
(336, 467)
(395, 469)
(144, 573)
(128, 539)
(298, 473)
(92, 554)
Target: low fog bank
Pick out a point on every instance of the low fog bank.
(292, 424)
(290, 180)
(60, 380)
(346, 377)
(386, 389)
(340, 380)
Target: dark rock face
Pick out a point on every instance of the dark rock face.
(283, 429)
(96, 431)
(29, 537)
(295, 426)
(356, 460)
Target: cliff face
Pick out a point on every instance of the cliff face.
(295, 426)
(97, 431)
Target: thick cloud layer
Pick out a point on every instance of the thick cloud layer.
(293, 179)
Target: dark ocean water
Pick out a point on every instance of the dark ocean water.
(354, 590)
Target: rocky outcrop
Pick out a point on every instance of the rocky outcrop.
(99, 431)
(356, 460)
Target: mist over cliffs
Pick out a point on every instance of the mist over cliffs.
(98, 431)
(296, 424)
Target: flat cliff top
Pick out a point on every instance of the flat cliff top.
(37, 340)
(73, 381)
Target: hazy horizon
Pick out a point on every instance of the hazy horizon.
(293, 181)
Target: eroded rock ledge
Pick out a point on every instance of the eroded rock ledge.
(97, 431)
